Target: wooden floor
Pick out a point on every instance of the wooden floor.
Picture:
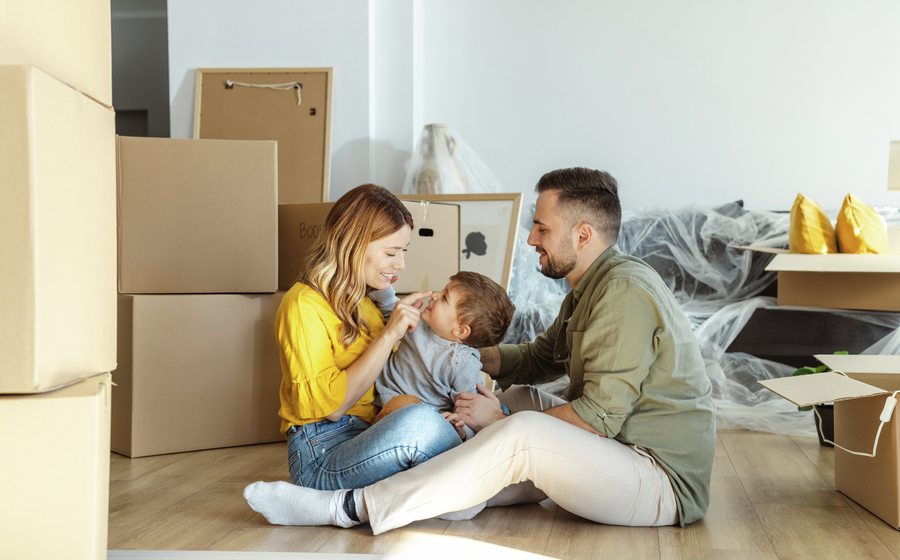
(772, 497)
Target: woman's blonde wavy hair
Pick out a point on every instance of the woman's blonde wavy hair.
(334, 266)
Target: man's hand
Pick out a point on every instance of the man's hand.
(478, 411)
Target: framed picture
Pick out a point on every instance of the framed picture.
(487, 230)
(289, 105)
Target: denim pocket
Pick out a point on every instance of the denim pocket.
(295, 467)
(328, 432)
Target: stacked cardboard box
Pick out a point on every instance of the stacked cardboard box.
(198, 272)
(57, 283)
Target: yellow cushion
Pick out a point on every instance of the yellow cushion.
(811, 230)
(860, 229)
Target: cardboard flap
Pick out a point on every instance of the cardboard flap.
(761, 249)
(840, 262)
(850, 364)
(818, 388)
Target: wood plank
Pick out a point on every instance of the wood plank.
(523, 527)
(673, 553)
(774, 470)
(132, 502)
(886, 533)
(198, 522)
(422, 539)
(731, 526)
(575, 538)
(413, 539)
(725, 484)
(820, 456)
(216, 463)
(259, 536)
(820, 532)
(269, 463)
(124, 468)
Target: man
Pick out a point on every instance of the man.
(633, 442)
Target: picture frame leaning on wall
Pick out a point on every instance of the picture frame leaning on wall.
(289, 105)
(487, 230)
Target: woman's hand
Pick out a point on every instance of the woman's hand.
(405, 316)
(362, 373)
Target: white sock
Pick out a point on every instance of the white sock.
(283, 503)
(462, 514)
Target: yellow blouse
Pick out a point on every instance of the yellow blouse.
(313, 361)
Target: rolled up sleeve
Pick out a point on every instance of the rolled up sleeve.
(532, 362)
(617, 350)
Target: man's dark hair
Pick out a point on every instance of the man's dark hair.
(586, 195)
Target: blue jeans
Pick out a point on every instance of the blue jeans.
(349, 454)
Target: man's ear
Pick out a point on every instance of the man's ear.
(462, 332)
(584, 233)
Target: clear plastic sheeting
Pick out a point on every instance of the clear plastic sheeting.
(690, 249)
(443, 164)
(717, 287)
(536, 297)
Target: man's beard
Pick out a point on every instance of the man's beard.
(563, 263)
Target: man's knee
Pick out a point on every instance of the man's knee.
(519, 425)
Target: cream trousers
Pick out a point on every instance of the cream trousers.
(594, 477)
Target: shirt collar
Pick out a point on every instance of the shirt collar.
(592, 271)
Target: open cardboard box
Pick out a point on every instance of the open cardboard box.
(430, 258)
(859, 400)
(838, 281)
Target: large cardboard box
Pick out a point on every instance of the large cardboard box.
(430, 258)
(197, 216)
(838, 281)
(71, 40)
(872, 482)
(196, 372)
(57, 233)
(54, 476)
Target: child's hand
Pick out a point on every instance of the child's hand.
(457, 423)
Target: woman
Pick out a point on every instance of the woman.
(334, 342)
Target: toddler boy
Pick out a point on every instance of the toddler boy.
(439, 359)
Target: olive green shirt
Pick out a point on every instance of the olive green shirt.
(635, 371)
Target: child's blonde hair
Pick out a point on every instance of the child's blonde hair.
(334, 266)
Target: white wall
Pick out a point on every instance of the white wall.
(684, 102)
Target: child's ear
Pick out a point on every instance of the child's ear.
(462, 332)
